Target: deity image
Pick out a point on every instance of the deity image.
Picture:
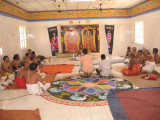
(54, 42)
(89, 41)
(109, 37)
(71, 41)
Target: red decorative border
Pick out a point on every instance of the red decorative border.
(48, 97)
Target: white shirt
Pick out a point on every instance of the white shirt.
(105, 68)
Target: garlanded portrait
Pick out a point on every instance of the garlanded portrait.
(74, 36)
(53, 36)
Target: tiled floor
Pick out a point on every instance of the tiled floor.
(50, 110)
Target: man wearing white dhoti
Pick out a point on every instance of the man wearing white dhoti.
(149, 64)
(34, 82)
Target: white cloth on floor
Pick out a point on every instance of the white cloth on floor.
(38, 88)
(105, 68)
(149, 67)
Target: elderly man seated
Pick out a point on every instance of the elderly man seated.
(149, 63)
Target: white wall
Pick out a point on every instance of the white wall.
(41, 41)
(151, 30)
(123, 35)
(9, 36)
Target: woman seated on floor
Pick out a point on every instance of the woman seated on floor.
(34, 82)
(133, 67)
(14, 62)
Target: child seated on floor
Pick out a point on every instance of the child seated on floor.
(86, 62)
(104, 67)
(34, 82)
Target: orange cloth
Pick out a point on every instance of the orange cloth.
(86, 62)
(21, 82)
(57, 68)
(20, 114)
(136, 70)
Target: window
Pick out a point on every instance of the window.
(139, 32)
(22, 32)
(0, 47)
(1, 51)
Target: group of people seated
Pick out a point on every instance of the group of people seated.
(141, 61)
(26, 72)
(88, 68)
(27, 75)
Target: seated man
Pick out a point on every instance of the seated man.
(156, 56)
(141, 57)
(6, 67)
(14, 63)
(20, 79)
(133, 67)
(29, 52)
(32, 59)
(134, 50)
(149, 63)
(25, 59)
(128, 52)
(79, 53)
(34, 82)
(104, 67)
(41, 58)
(86, 62)
(33, 53)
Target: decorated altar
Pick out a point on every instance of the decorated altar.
(73, 36)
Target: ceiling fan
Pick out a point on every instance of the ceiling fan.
(100, 8)
(59, 9)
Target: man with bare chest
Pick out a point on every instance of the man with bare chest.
(156, 56)
(149, 64)
(6, 67)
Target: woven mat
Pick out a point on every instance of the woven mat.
(119, 68)
(142, 83)
(49, 78)
(20, 114)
